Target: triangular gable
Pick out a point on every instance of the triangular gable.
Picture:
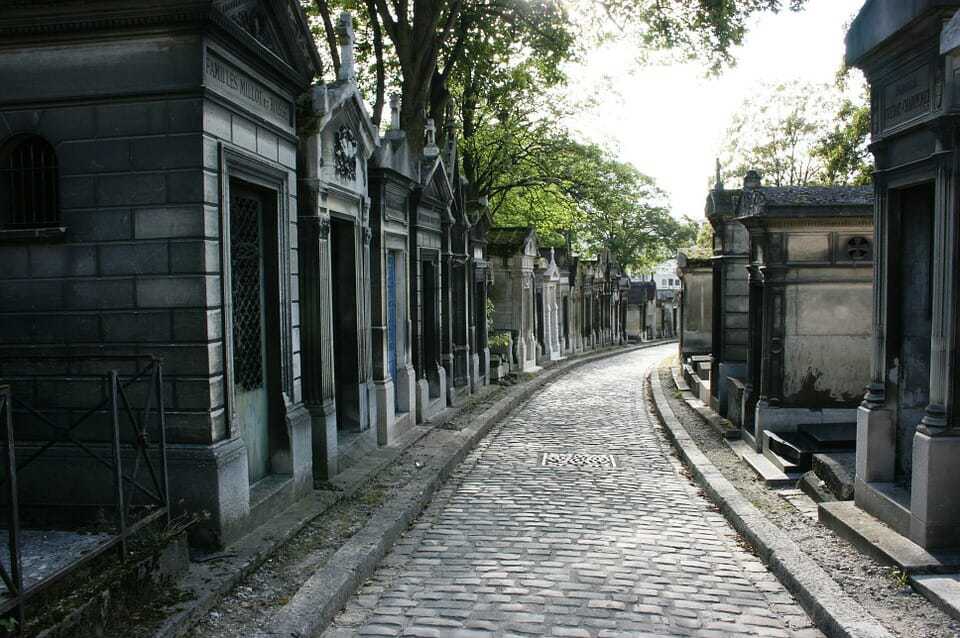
(436, 183)
(278, 27)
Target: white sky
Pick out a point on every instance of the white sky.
(669, 121)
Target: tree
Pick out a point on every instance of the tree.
(843, 150)
(432, 39)
(777, 131)
(705, 30)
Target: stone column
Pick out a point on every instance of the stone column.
(876, 429)
(935, 500)
(316, 329)
(383, 387)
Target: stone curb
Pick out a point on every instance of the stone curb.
(318, 600)
(834, 612)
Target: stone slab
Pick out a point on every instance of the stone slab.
(724, 426)
(834, 612)
(942, 590)
(769, 473)
(873, 537)
(836, 469)
(828, 435)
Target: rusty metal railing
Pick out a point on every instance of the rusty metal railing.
(153, 490)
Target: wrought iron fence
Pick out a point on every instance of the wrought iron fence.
(141, 422)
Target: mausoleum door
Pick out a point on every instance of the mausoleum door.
(913, 321)
(392, 314)
(248, 297)
(346, 342)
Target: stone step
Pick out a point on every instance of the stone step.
(769, 473)
(795, 447)
(836, 470)
(882, 542)
(831, 436)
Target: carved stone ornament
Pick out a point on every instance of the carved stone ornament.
(250, 16)
(753, 202)
(345, 153)
(367, 234)
(938, 86)
(858, 248)
(323, 227)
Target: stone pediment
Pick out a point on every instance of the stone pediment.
(436, 184)
(275, 26)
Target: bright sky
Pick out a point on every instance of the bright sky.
(669, 121)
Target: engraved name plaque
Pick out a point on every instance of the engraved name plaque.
(226, 79)
(907, 98)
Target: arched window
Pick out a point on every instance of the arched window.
(28, 183)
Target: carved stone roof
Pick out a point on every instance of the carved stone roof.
(276, 30)
(881, 20)
(806, 201)
(509, 236)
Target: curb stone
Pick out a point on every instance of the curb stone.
(326, 591)
(834, 612)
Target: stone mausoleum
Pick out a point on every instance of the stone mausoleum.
(908, 441)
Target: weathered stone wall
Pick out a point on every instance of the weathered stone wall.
(827, 342)
(697, 310)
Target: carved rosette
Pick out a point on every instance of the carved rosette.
(345, 153)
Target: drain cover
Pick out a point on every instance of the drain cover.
(552, 459)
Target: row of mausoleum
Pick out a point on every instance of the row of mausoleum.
(298, 288)
(826, 320)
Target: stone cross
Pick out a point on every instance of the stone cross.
(395, 111)
(430, 138)
(346, 39)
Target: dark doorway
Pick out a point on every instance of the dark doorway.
(392, 316)
(566, 323)
(540, 339)
(911, 289)
(255, 307)
(755, 355)
(431, 325)
(345, 325)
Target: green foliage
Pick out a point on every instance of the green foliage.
(705, 30)
(843, 150)
(780, 133)
(702, 247)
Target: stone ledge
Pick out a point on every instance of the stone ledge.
(835, 613)
(875, 538)
(356, 560)
(726, 429)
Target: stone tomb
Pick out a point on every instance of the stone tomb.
(172, 231)
(430, 219)
(810, 274)
(729, 332)
(696, 305)
(548, 309)
(337, 138)
(393, 178)
(908, 442)
(513, 257)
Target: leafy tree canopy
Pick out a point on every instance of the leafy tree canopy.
(801, 134)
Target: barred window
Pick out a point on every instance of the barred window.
(28, 183)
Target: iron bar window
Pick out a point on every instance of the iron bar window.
(28, 184)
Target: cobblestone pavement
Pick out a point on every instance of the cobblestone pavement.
(510, 547)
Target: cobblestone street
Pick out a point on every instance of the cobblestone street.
(510, 547)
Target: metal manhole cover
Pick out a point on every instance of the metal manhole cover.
(552, 459)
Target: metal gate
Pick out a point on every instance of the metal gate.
(247, 295)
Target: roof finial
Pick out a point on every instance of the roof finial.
(718, 183)
(346, 38)
(395, 111)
